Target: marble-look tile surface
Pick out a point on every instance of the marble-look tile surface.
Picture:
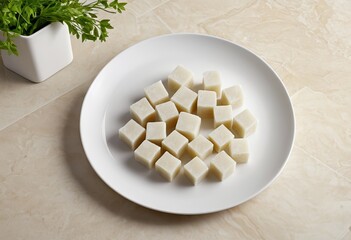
(323, 127)
(189, 16)
(308, 201)
(305, 40)
(347, 236)
(138, 7)
(19, 97)
(49, 191)
(156, 3)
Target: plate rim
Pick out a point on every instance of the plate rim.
(96, 81)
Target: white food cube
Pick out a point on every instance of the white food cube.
(195, 170)
(244, 124)
(132, 134)
(201, 147)
(238, 149)
(156, 132)
(220, 137)
(206, 101)
(185, 100)
(175, 143)
(142, 111)
(232, 96)
(156, 93)
(147, 153)
(168, 113)
(223, 115)
(212, 82)
(189, 125)
(180, 76)
(168, 166)
(222, 165)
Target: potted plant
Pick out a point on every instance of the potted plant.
(34, 34)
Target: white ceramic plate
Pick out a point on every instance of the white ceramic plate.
(121, 82)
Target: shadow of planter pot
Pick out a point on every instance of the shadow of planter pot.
(41, 54)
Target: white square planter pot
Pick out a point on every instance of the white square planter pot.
(41, 54)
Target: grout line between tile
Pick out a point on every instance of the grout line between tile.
(325, 165)
(158, 17)
(297, 92)
(163, 22)
(153, 8)
(40, 106)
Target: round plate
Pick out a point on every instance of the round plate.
(121, 83)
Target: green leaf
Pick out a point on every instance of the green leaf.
(96, 31)
(24, 17)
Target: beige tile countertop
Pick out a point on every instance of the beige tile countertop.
(49, 191)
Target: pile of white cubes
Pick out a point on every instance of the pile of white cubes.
(157, 114)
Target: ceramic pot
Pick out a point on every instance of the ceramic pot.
(41, 54)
